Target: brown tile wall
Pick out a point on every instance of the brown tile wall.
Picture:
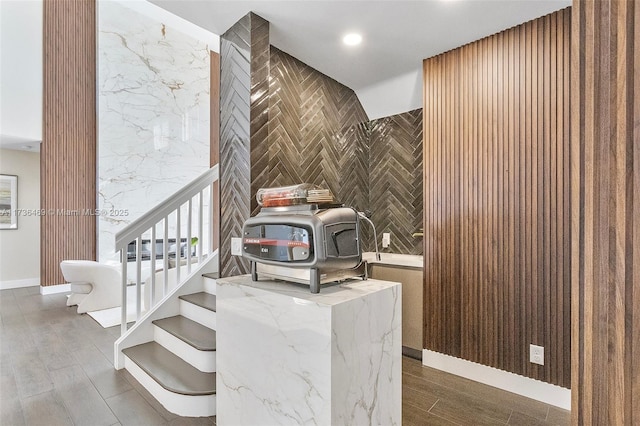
(317, 131)
(395, 179)
(307, 127)
(243, 130)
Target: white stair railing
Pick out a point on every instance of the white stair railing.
(168, 215)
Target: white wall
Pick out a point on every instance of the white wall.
(21, 69)
(394, 96)
(20, 248)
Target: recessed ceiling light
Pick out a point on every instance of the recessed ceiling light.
(352, 39)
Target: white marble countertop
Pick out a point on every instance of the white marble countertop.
(330, 294)
(394, 259)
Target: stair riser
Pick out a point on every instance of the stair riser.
(198, 314)
(202, 360)
(209, 285)
(182, 405)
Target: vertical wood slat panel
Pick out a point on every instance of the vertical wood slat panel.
(605, 206)
(566, 177)
(512, 197)
(214, 135)
(495, 172)
(523, 166)
(68, 150)
(633, 300)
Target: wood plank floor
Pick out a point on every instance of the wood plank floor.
(433, 397)
(56, 368)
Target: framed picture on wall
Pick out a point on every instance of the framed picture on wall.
(8, 202)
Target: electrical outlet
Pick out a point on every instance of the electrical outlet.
(536, 354)
(236, 246)
(386, 239)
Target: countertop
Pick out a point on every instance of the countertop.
(394, 259)
(330, 294)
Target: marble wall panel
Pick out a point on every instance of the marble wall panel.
(153, 115)
(276, 361)
(366, 359)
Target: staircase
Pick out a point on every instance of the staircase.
(178, 366)
(171, 347)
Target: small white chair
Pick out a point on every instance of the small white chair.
(94, 286)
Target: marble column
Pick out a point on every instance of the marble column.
(286, 356)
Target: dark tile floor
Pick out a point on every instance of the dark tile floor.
(56, 368)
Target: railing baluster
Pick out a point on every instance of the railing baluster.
(138, 275)
(189, 236)
(210, 209)
(178, 245)
(165, 256)
(136, 230)
(123, 318)
(153, 268)
(200, 227)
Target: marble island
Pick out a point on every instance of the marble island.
(287, 356)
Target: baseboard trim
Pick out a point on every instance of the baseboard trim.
(54, 289)
(27, 282)
(511, 382)
(412, 353)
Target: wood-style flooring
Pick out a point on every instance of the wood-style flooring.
(56, 368)
(433, 397)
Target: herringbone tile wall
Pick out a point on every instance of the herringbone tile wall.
(260, 71)
(244, 74)
(317, 131)
(395, 179)
(283, 123)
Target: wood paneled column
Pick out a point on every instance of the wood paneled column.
(214, 146)
(68, 150)
(605, 222)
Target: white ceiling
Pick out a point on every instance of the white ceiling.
(19, 143)
(397, 35)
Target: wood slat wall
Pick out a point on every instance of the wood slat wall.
(214, 136)
(605, 180)
(68, 150)
(496, 199)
